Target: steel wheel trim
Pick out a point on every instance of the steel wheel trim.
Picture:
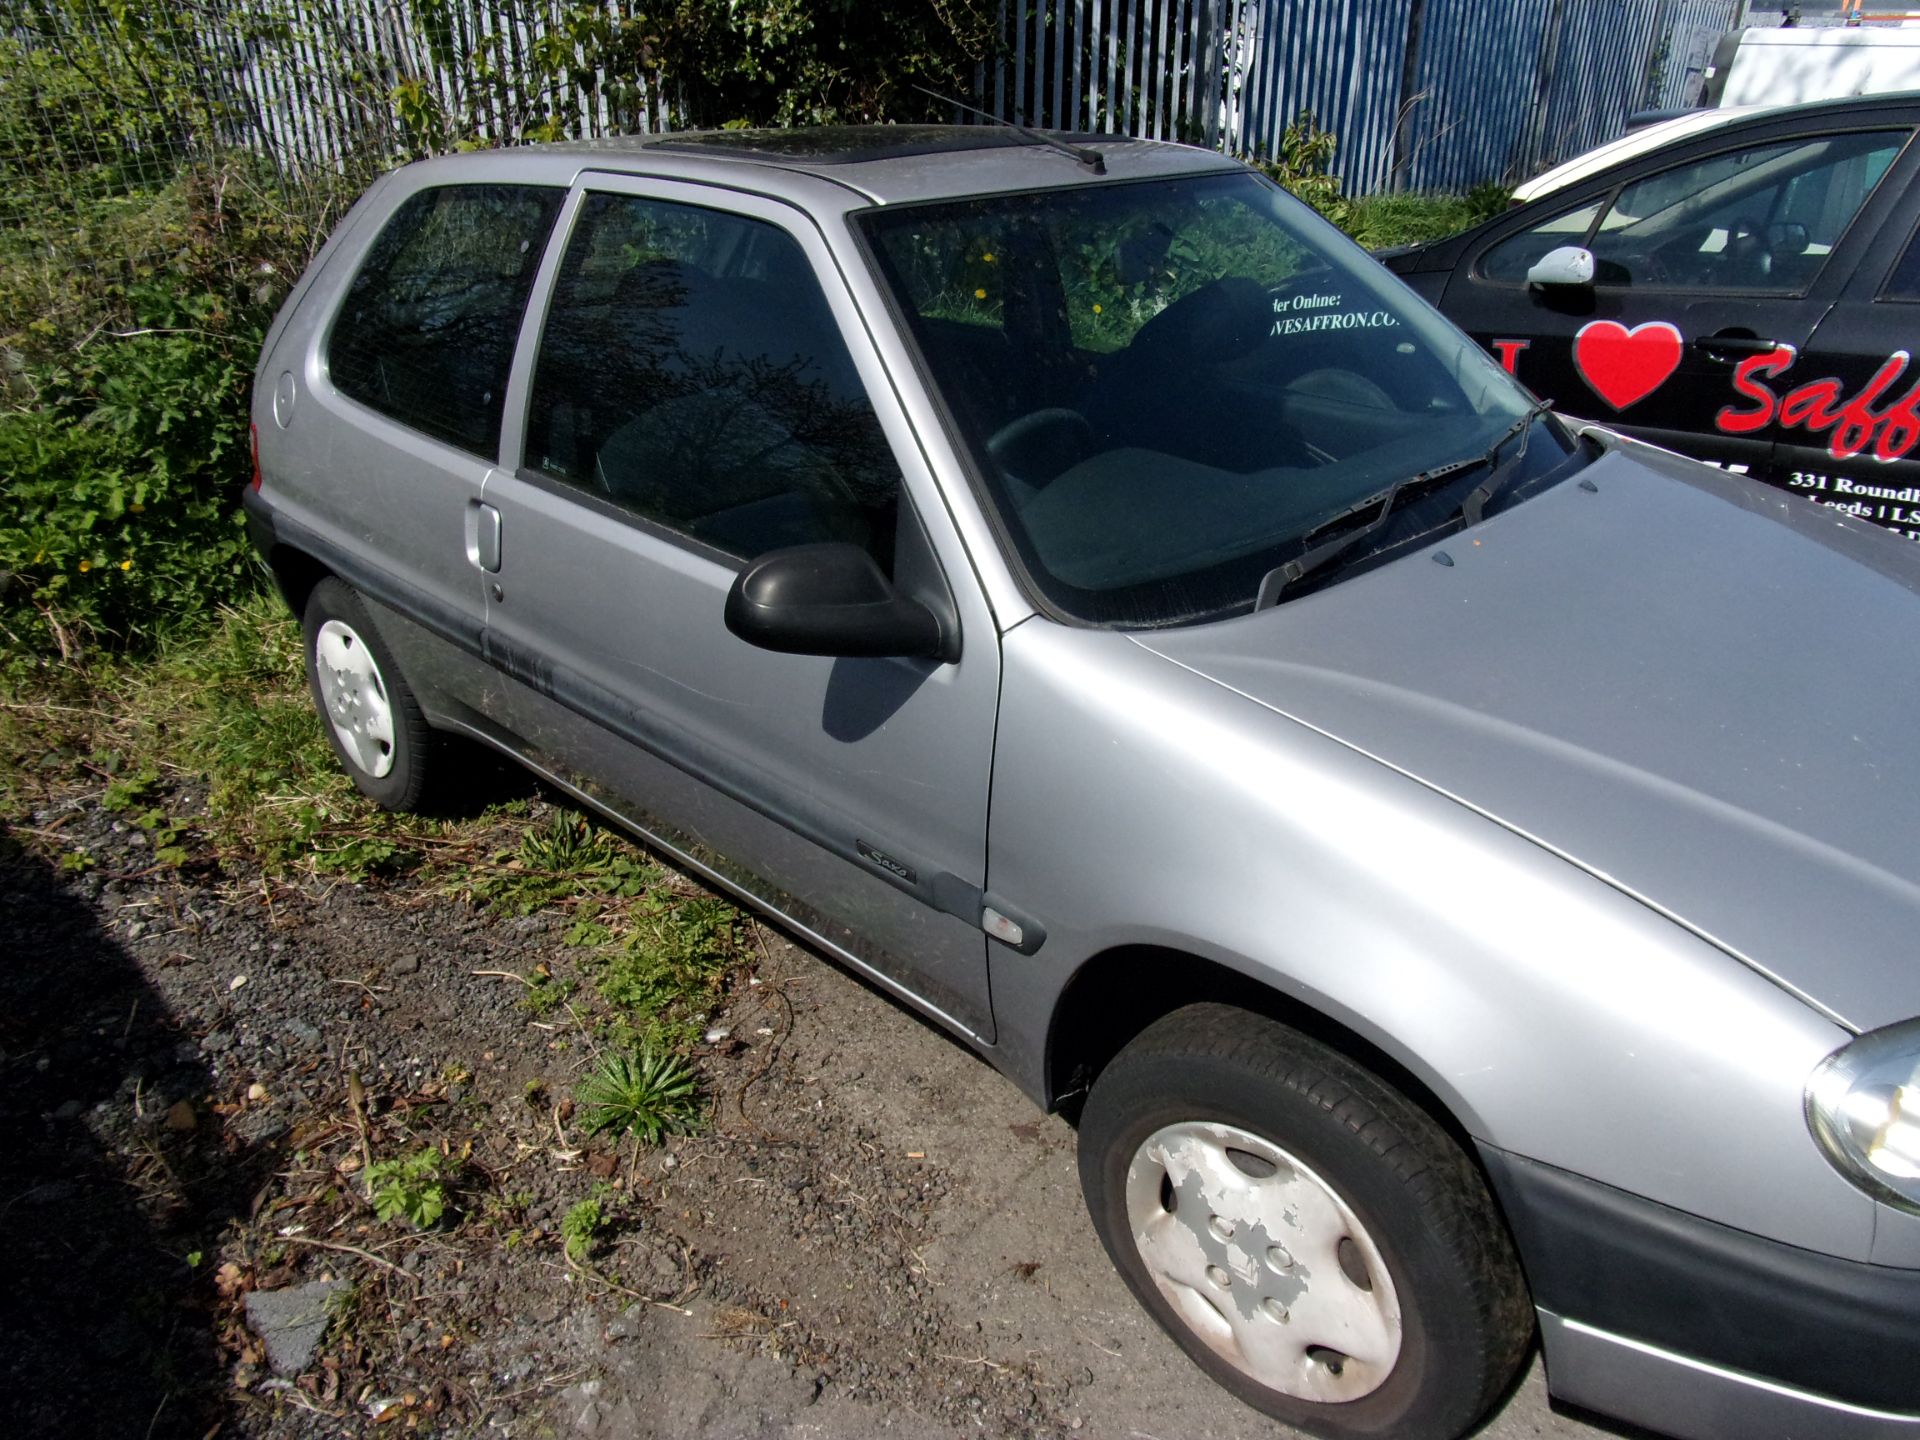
(356, 697)
(1263, 1261)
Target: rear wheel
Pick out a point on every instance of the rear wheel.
(1311, 1238)
(372, 719)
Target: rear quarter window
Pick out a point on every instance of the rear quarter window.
(427, 330)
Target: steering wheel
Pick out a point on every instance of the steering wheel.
(1749, 257)
(1644, 267)
(1037, 446)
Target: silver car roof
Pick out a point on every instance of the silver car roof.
(882, 164)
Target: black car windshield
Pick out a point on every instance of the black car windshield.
(1172, 387)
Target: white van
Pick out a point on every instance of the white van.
(1794, 65)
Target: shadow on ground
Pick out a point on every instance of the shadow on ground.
(113, 1171)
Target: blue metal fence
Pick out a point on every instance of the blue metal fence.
(1421, 94)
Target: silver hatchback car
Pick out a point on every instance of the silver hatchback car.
(1463, 870)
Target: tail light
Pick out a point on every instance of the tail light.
(253, 443)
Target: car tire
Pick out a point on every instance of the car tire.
(366, 707)
(1312, 1239)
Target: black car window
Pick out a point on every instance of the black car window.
(1904, 282)
(426, 334)
(1761, 219)
(1513, 257)
(692, 373)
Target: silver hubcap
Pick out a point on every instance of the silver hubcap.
(1263, 1261)
(356, 697)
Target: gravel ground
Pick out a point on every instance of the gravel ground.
(874, 1234)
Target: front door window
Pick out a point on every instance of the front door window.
(691, 373)
(1762, 219)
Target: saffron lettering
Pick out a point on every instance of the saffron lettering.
(1856, 426)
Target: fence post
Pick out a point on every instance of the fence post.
(1000, 65)
(1652, 74)
(1549, 61)
(1402, 154)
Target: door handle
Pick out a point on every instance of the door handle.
(483, 536)
(1732, 347)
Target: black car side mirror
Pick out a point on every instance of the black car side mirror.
(829, 599)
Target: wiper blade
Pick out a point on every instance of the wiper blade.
(1283, 578)
(1475, 505)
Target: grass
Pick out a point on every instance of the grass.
(1381, 220)
(225, 707)
(212, 748)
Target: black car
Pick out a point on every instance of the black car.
(1748, 295)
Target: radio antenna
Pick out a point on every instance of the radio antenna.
(1086, 155)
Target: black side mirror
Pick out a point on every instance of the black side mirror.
(829, 599)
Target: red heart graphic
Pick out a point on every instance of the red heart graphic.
(1625, 366)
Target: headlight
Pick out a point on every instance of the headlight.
(1863, 1105)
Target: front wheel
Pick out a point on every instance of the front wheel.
(1311, 1238)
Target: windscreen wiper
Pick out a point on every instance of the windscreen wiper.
(1283, 578)
(1475, 504)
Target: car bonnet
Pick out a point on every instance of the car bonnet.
(1702, 691)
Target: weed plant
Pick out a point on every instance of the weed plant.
(412, 1188)
(647, 1095)
(567, 858)
(659, 962)
(580, 1228)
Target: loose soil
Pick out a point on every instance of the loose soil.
(874, 1234)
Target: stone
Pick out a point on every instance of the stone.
(307, 1034)
(626, 1325)
(596, 1416)
(291, 1322)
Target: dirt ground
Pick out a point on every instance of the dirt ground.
(874, 1234)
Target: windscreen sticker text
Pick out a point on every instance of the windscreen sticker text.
(1305, 314)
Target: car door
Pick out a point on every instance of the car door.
(1847, 406)
(415, 365)
(1699, 264)
(701, 391)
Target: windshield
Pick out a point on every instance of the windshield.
(1172, 387)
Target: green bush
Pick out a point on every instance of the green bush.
(119, 481)
(1303, 164)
